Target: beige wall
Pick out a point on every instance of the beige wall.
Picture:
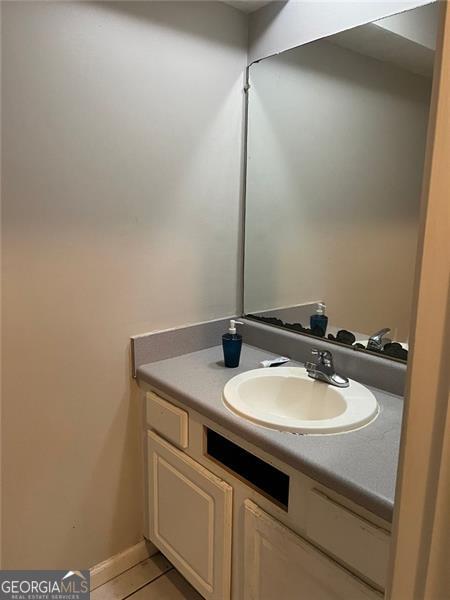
(335, 159)
(122, 126)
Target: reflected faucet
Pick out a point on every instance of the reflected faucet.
(377, 341)
(323, 369)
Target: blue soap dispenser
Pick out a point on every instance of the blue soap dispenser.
(319, 320)
(232, 344)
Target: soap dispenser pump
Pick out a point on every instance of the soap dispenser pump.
(232, 344)
(319, 321)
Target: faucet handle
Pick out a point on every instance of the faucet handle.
(316, 352)
(378, 335)
(323, 370)
(325, 356)
(376, 340)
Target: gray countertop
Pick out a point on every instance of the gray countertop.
(361, 465)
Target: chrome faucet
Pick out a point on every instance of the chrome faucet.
(323, 369)
(377, 341)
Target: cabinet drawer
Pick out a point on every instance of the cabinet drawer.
(190, 516)
(360, 545)
(167, 419)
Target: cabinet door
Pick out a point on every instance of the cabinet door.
(190, 512)
(280, 564)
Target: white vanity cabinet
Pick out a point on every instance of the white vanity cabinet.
(190, 512)
(240, 525)
(281, 565)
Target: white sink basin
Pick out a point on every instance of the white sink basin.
(286, 398)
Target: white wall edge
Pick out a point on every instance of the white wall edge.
(178, 327)
(277, 27)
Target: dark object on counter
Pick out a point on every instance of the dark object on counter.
(296, 327)
(345, 337)
(396, 350)
(232, 345)
(274, 321)
(317, 330)
(375, 350)
(319, 321)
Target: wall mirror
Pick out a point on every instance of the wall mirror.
(336, 137)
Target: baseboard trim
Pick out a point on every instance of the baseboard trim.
(111, 567)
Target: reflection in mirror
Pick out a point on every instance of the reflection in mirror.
(335, 154)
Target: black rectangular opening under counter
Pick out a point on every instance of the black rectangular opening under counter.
(266, 478)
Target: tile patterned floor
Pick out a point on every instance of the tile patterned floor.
(152, 579)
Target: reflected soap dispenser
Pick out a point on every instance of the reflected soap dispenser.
(319, 321)
(232, 344)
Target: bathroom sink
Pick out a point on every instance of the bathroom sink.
(287, 399)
